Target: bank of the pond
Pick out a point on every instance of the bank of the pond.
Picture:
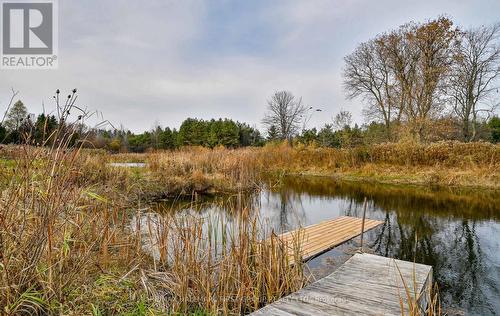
(145, 184)
(149, 183)
(445, 177)
(443, 163)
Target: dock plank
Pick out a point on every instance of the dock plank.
(364, 285)
(318, 238)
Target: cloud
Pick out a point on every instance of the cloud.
(141, 62)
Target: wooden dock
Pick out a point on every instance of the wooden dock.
(318, 238)
(364, 285)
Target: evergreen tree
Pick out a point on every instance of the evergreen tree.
(193, 132)
(249, 136)
(494, 127)
(3, 134)
(44, 128)
(223, 132)
(140, 142)
(327, 137)
(155, 136)
(272, 133)
(167, 139)
(309, 136)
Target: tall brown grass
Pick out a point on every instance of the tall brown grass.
(67, 244)
(442, 163)
(201, 170)
(415, 303)
(217, 265)
(409, 153)
(219, 167)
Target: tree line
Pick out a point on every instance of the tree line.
(426, 81)
(18, 125)
(429, 81)
(192, 132)
(286, 114)
(340, 133)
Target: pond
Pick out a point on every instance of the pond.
(128, 164)
(455, 231)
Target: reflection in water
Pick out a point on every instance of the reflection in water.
(455, 231)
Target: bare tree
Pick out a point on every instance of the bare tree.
(285, 113)
(402, 58)
(476, 68)
(421, 56)
(402, 74)
(14, 94)
(434, 42)
(342, 120)
(367, 74)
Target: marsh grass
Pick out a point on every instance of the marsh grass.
(220, 168)
(197, 169)
(55, 232)
(413, 303)
(67, 245)
(408, 154)
(218, 265)
(442, 163)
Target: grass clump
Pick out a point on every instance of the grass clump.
(218, 265)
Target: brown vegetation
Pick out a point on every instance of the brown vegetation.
(66, 238)
(443, 163)
(67, 244)
(202, 170)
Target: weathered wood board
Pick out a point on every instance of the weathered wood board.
(364, 285)
(318, 238)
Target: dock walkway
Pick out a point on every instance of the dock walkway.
(318, 238)
(365, 285)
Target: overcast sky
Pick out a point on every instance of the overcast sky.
(144, 61)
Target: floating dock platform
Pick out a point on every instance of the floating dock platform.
(364, 285)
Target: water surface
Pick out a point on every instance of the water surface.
(128, 164)
(455, 231)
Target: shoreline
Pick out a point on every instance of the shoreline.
(402, 179)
